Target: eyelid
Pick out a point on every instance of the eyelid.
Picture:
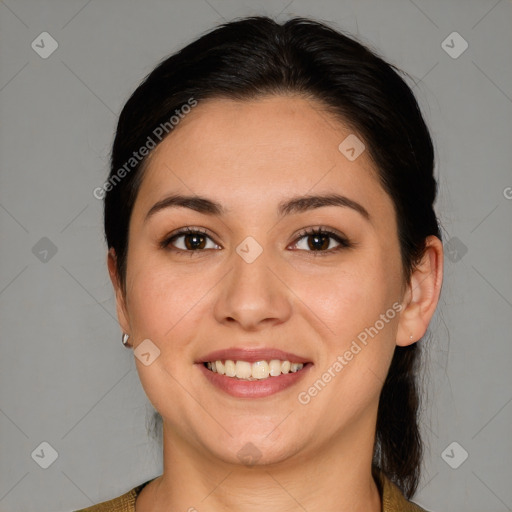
(322, 230)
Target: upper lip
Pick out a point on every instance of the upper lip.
(251, 355)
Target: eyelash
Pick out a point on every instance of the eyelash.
(344, 243)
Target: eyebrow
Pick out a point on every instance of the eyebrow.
(296, 204)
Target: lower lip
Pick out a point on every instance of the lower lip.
(254, 388)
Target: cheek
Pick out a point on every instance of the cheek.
(350, 299)
(338, 301)
(165, 307)
(357, 306)
(357, 351)
(163, 302)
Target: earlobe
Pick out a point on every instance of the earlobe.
(122, 314)
(422, 294)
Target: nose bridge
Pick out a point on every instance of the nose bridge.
(251, 263)
(252, 293)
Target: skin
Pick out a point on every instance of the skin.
(249, 156)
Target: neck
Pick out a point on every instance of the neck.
(336, 477)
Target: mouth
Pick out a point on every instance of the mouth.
(258, 370)
(253, 373)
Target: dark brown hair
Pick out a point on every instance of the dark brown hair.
(247, 58)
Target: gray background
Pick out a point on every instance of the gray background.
(65, 377)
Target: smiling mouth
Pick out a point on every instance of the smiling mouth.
(258, 370)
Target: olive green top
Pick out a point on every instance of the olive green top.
(392, 499)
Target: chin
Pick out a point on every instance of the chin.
(256, 450)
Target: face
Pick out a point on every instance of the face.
(255, 279)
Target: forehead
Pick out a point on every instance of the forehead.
(264, 149)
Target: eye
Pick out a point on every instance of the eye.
(319, 241)
(193, 240)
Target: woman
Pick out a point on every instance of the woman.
(276, 258)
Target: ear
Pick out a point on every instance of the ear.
(122, 313)
(422, 294)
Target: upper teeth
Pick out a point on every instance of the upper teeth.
(253, 371)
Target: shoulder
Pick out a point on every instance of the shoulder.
(124, 503)
(393, 499)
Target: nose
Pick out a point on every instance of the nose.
(253, 294)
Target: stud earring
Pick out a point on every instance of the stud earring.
(124, 339)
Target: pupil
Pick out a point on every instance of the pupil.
(194, 244)
(322, 245)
